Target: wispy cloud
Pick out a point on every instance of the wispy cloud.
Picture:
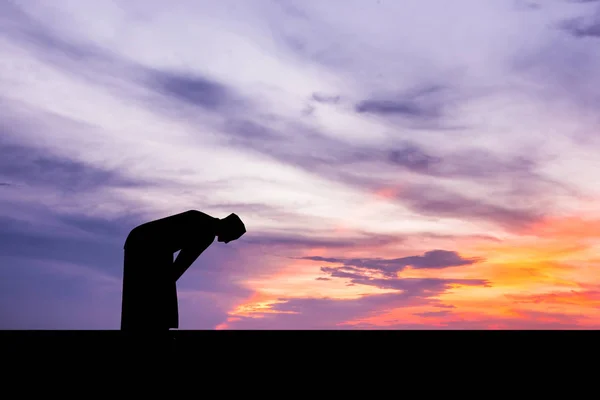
(583, 27)
(34, 167)
(432, 259)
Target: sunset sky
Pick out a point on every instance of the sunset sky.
(399, 164)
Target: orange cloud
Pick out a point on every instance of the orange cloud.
(571, 227)
(536, 278)
(387, 193)
(572, 297)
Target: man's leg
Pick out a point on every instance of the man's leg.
(143, 307)
(128, 306)
(169, 314)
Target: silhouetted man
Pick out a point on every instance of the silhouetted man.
(150, 274)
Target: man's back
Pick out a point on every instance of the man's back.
(174, 232)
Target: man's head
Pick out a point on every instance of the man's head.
(230, 228)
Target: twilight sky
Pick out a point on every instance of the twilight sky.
(399, 164)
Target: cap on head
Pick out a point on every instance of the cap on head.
(232, 228)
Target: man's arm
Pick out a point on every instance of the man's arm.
(185, 259)
(195, 225)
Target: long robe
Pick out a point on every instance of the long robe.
(149, 299)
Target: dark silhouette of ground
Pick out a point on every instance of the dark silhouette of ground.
(149, 272)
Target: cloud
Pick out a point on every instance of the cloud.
(308, 240)
(390, 107)
(247, 132)
(524, 321)
(527, 6)
(323, 98)
(515, 178)
(324, 313)
(574, 297)
(433, 314)
(413, 159)
(35, 36)
(584, 27)
(335, 159)
(435, 201)
(434, 259)
(123, 76)
(419, 285)
(426, 102)
(563, 66)
(32, 166)
(330, 313)
(376, 312)
(197, 91)
(473, 164)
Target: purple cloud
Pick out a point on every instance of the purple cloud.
(425, 102)
(434, 259)
(307, 240)
(35, 167)
(323, 98)
(433, 314)
(197, 91)
(437, 202)
(584, 27)
(327, 313)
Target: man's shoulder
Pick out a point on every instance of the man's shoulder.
(199, 215)
(135, 236)
(185, 217)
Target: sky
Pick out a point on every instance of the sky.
(398, 164)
